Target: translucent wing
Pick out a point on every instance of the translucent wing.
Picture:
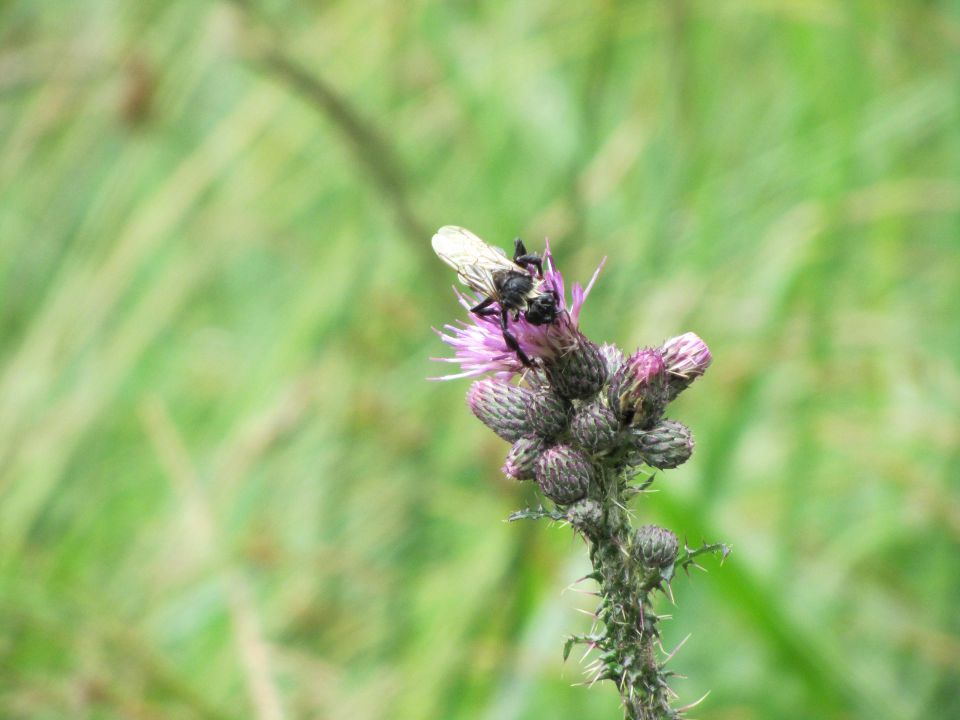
(474, 260)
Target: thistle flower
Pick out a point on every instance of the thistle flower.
(478, 344)
(638, 391)
(564, 474)
(686, 357)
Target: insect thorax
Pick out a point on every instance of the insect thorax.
(514, 287)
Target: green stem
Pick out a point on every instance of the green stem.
(628, 641)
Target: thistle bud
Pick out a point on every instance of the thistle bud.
(522, 458)
(585, 515)
(613, 356)
(536, 379)
(594, 427)
(655, 547)
(499, 406)
(547, 413)
(665, 446)
(564, 474)
(579, 372)
(638, 391)
(686, 357)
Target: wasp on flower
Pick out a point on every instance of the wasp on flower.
(481, 346)
(508, 284)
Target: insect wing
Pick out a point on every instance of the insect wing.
(474, 260)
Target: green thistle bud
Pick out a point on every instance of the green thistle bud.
(522, 458)
(655, 547)
(547, 414)
(594, 427)
(501, 407)
(564, 474)
(686, 357)
(665, 446)
(586, 515)
(579, 372)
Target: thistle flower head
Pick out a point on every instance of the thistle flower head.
(638, 390)
(478, 343)
(686, 357)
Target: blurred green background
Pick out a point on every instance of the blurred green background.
(228, 491)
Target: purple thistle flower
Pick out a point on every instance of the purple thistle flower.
(686, 357)
(479, 346)
(638, 391)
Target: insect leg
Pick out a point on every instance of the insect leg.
(518, 248)
(511, 341)
(522, 258)
(481, 306)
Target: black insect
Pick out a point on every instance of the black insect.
(509, 283)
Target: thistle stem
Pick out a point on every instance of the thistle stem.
(627, 644)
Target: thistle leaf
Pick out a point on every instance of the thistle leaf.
(536, 514)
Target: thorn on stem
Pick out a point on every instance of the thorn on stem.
(692, 705)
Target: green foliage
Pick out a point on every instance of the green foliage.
(226, 490)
